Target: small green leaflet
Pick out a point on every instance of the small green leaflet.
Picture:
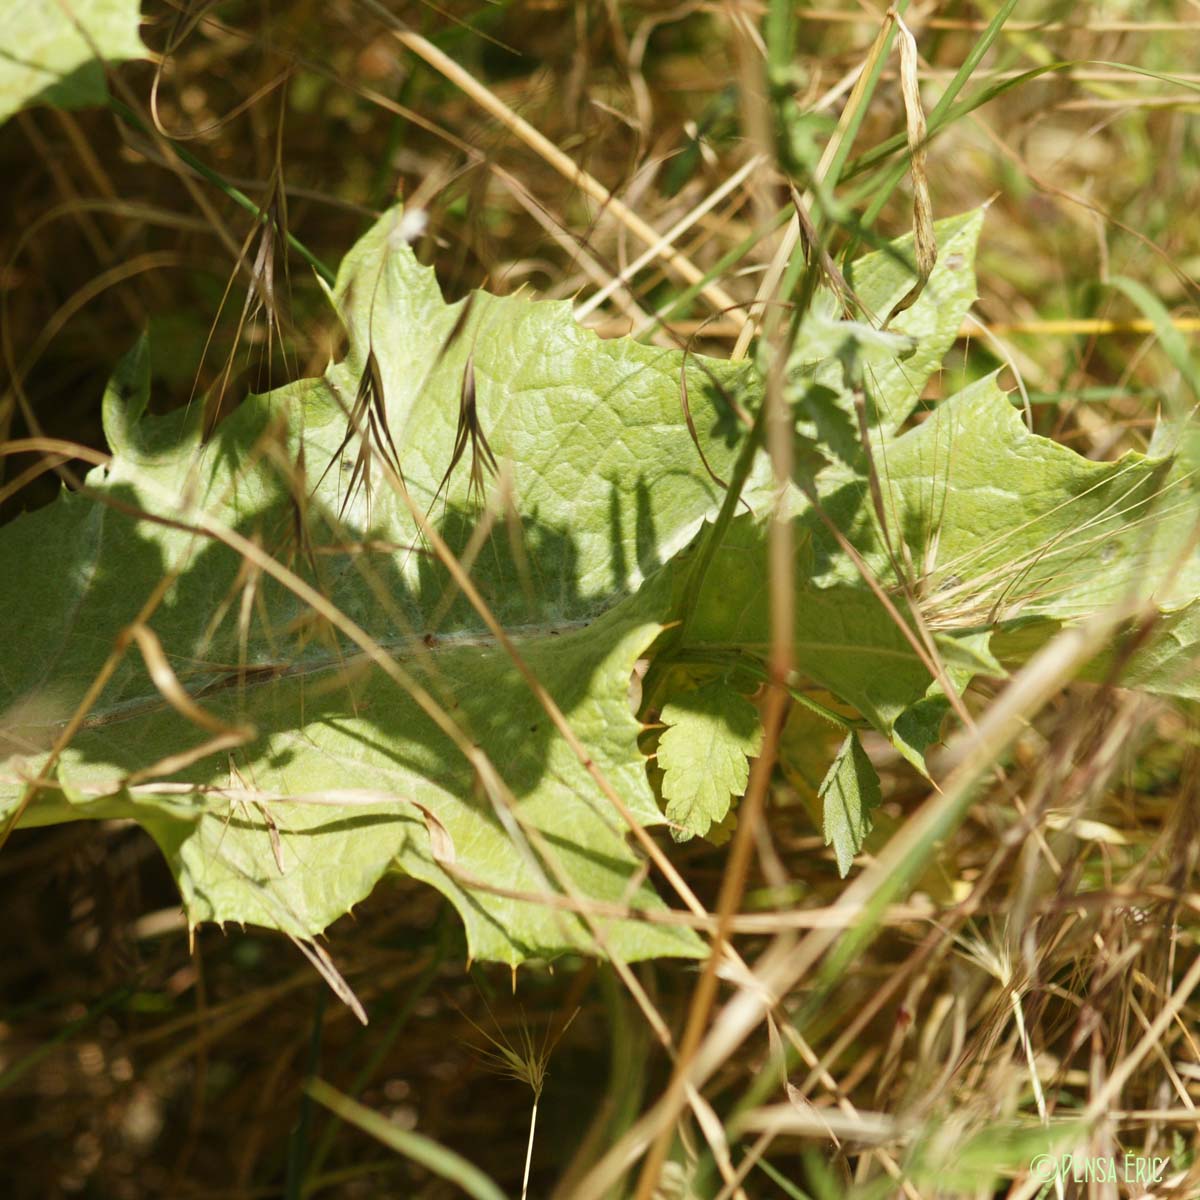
(46, 59)
(893, 365)
(918, 727)
(712, 733)
(849, 791)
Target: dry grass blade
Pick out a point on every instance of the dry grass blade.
(570, 170)
(669, 238)
(924, 241)
(167, 682)
(864, 1128)
(324, 966)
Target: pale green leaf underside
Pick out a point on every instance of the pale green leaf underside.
(584, 563)
(605, 483)
(46, 59)
(367, 744)
(711, 734)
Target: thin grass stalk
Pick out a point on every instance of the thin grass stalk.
(529, 1150)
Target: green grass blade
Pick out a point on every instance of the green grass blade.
(788, 1188)
(1173, 341)
(834, 173)
(380, 1051)
(940, 110)
(985, 95)
(415, 1146)
(235, 194)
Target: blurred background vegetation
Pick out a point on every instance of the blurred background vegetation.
(132, 1065)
